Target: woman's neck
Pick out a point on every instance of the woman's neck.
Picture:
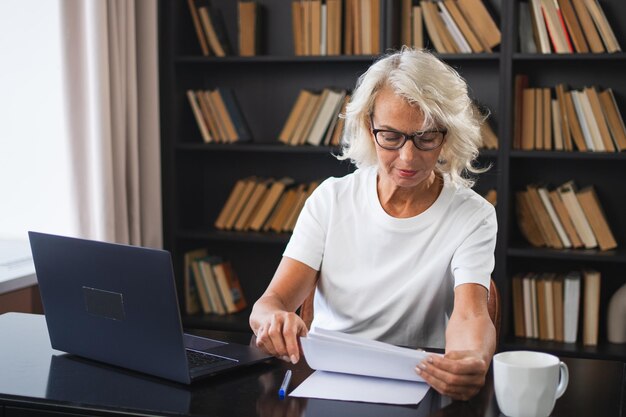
(404, 202)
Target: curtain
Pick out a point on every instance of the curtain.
(111, 91)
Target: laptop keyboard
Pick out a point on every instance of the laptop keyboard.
(203, 360)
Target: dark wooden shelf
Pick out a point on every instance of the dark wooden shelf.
(604, 350)
(219, 235)
(254, 147)
(270, 59)
(591, 255)
(618, 156)
(569, 57)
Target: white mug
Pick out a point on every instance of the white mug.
(528, 383)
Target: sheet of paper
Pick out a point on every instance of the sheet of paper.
(346, 387)
(333, 356)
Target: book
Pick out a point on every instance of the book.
(224, 116)
(206, 270)
(571, 303)
(297, 27)
(242, 131)
(249, 28)
(283, 210)
(542, 313)
(328, 109)
(197, 114)
(586, 22)
(556, 222)
(557, 301)
(195, 17)
(565, 219)
(574, 125)
(463, 26)
(573, 26)
(546, 107)
(431, 28)
(602, 24)
(521, 83)
(295, 115)
(538, 119)
(527, 125)
(240, 203)
(201, 285)
(417, 29)
(195, 296)
(590, 205)
(227, 208)
(540, 32)
(525, 30)
(548, 287)
(229, 287)
(306, 119)
(526, 221)
(557, 34)
(613, 118)
(591, 307)
(564, 118)
(257, 195)
(481, 22)
(517, 291)
(210, 30)
(567, 192)
(534, 306)
(588, 122)
(459, 40)
(557, 133)
(598, 116)
(543, 218)
(268, 204)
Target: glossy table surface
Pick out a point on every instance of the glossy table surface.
(33, 375)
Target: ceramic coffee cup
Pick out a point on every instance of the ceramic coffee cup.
(527, 384)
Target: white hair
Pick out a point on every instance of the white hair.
(439, 92)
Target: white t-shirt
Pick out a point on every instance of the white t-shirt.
(388, 278)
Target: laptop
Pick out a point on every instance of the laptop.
(117, 304)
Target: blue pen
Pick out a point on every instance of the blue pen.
(283, 387)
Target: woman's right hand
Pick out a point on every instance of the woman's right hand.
(278, 335)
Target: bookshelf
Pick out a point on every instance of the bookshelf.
(197, 178)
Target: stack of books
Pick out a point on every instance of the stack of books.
(565, 26)
(264, 204)
(210, 28)
(219, 116)
(563, 218)
(460, 26)
(546, 306)
(583, 120)
(211, 285)
(314, 118)
(317, 26)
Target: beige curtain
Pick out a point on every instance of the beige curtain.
(111, 84)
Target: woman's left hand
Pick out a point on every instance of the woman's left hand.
(457, 374)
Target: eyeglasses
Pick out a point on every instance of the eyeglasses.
(391, 140)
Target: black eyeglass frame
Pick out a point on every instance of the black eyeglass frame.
(413, 137)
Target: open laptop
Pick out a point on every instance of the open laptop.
(117, 304)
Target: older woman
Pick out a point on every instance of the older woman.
(402, 249)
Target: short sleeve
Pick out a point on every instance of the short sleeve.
(308, 239)
(474, 260)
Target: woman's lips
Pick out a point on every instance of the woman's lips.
(406, 172)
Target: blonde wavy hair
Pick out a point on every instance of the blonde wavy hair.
(440, 93)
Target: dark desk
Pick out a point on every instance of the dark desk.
(36, 380)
